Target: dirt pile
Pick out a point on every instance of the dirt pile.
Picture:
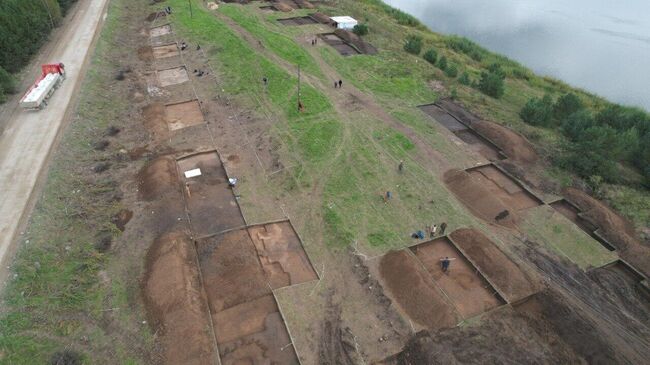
(414, 291)
(282, 6)
(304, 4)
(355, 40)
(322, 18)
(175, 301)
(514, 145)
(514, 283)
(478, 198)
(157, 179)
(616, 229)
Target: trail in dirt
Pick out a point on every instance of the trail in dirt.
(28, 138)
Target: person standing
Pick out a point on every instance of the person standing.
(400, 167)
(443, 226)
(445, 263)
(432, 230)
(340, 84)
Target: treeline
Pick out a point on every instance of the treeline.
(597, 140)
(24, 27)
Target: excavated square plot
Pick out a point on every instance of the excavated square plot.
(339, 44)
(183, 115)
(160, 31)
(467, 289)
(211, 204)
(504, 187)
(166, 51)
(172, 76)
(302, 20)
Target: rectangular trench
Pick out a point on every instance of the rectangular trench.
(572, 213)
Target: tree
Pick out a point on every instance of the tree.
(7, 82)
(492, 81)
(442, 63)
(537, 111)
(360, 29)
(574, 126)
(413, 44)
(566, 105)
(596, 153)
(451, 71)
(431, 56)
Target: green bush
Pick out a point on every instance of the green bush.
(431, 56)
(464, 79)
(566, 105)
(7, 82)
(537, 111)
(492, 81)
(451, 71)
(413, 44)
(360, 29)
(464, 45)
(442, 63)
(574, 126)
(596, 153)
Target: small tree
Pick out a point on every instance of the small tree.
(464, 79)
(413, 44)
(360, 29)
(451, 71)
(574, 125)
(538, 111)
(442, 63)
(566, 105)
(492, 84)
(431, 56)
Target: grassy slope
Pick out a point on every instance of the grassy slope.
(55, 295)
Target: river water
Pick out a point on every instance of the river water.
(602, 46)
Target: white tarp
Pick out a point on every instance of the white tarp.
(36, 95)
(345, 22)
(192, 173)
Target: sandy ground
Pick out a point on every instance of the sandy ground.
(28, 137)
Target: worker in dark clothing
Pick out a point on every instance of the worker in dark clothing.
(336, 84)
(443, 226)
(400, 167)
(340, 84)
(445, 264)
(198, 47)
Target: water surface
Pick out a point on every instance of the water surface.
(602, 46)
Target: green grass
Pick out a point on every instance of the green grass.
(546, 226)
(280, 44)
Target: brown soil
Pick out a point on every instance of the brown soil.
(231, 271)
(469, 292)
(322, 18)
(514, 283)
(616, 229)
(175, 301)
(160, 31)
(172, 76)
(355, 40)
(157, 179)
(281, 255)
(145, 53)
(478, 198)
(458, 111)
(479, 144)
(122, 218)
(514, 145)
(302, 20)
(339, 44)
(443, 117)
(337, 344)
(166, 51)
(137, 152)
(155, 15)
(211, 204)
(155, 122)
(304, 4)
(183, 115)
(283, 7)
(504, 188)
(414, 291)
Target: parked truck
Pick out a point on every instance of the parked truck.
(52, 76)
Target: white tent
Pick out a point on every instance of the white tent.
(344, 22)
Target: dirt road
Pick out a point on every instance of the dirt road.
(28, 137)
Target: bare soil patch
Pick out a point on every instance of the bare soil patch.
(160, 31)
(175, 301)
(155, 15)
(145, 53)
(281, 254)
(443, 117)
(477, 197)
(211, 204)
(322, 18)
(184, 114)
(122, 218)
(504, 187)
(301, 20)
(412, 288)
(172, 76)
(614, 228)
(357, 42)
(339, 44)
(155, 120)
(500, 270)
(469, 292)
(165, 51)
(513, 145)
(157, 179)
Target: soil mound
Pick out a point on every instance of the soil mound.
(304, 4)
(616, 229)
(157, 178)
(514, 145)
(283, 6)
(175, 302)
(356, 41)
(414, 291)
(478, 198)
(493, 263)
(322, 18)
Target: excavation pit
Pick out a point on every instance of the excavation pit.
(210, 201)
(505, 188)
(301, 20)
(165, 51)
(463, 285)
(340, 45)
(443, 117)
(172, 76)
(269, 8)
(160, 31)
(183, 115)
(572, 212)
